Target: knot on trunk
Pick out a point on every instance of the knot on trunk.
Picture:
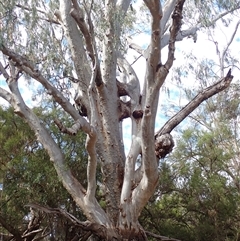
(137, 114)
(163, 145)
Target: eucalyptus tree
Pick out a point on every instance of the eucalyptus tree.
(82, 45)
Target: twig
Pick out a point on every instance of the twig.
(163, 238)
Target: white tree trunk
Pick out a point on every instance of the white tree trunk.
(126, 189)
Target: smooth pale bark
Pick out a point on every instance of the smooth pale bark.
(103, 95)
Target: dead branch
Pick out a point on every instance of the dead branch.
(226, 48)
(72, 130)
(159, 237)
(194, 103)
(97, 229)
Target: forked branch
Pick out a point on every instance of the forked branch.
(88, 34)
(28, 67)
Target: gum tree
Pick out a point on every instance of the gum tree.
(81, 45)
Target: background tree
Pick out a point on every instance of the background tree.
(28, 177)
(82, 46)
(198, 193)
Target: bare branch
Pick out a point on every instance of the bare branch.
(98, 229)
(194, 103)
(91, 141)
(5, 95)
(128, 182)
(180, 36)
(136, 47)
(32, 232)
(192, 31)
(130, 80)
(42, 236)
(21, 60)
(220, 16)
(167, 10)
(73, 186)
(88, 33)
(111, 42)
(226, 48)
(76, 45)
(28, 67)
(78, 15)
(92, 165)
(124, 110)
(72, 130)
(154, 55)
(58, 96)
(160, 237)
(176, 26)
(3, 71)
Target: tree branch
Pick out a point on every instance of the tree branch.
(180, 35)
(76, 45)
(111, 43)
(28, 67)
(160, 237)
(78, 15)
(44, 137)
(123, 5)
(192, 31)
(5, 95)
(88, 33)
(72, 185)
(98, 229)
(92, 165)
(70, 131)
(154, 54)
(3, 71)
(167, 10)
(136, 47)
(129, 80)
(144, 190)
(10, 229)
(220, 16)
(226, 48)
(32, 232)
(128, 182)
(176, 26)
(40, 11)
(17, 58)
(194, 103)
(91, 141)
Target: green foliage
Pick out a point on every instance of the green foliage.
(27, 175)
(198, 196)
